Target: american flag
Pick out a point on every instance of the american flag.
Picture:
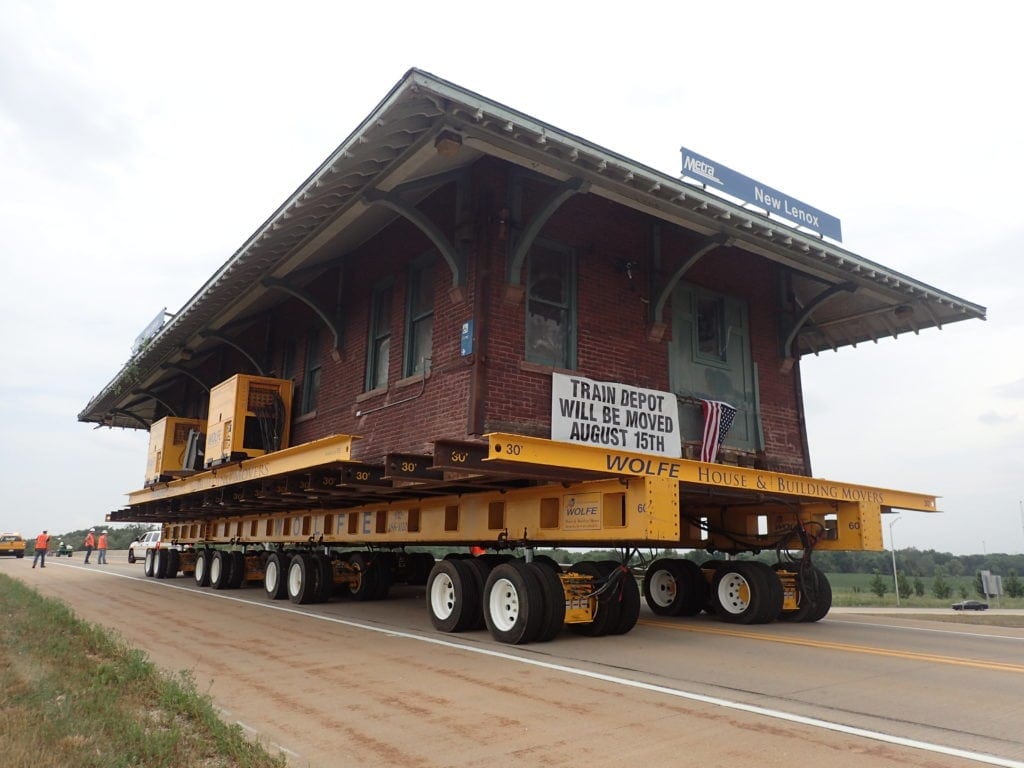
(718, 418)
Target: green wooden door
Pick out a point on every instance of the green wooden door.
(709, 359)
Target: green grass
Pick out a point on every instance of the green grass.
(73, 694)
(854, 590)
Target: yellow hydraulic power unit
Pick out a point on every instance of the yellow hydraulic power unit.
(169, 447)
(249, 416)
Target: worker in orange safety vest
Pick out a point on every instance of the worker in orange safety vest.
(101, 549)
(42, 544)
(90, 542)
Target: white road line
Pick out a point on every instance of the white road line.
(737, 706)
(284, 749)
(959, 633)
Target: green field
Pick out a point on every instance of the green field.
(854, 589)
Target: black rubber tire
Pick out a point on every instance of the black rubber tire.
(629, 604)
(496, 558)
(479, 568)
(818, 600)
(173, 564)
(324, 577)
(302, 579)
(160, 563)
(418, 568)
(738, 592)
(608, 611)
(548, 561)
(664, 588)
(275, 576)
(554, 601)
(238, 568)
(771, 606)
(149, 563)
(453, 599)
(384, 565)
(814, 590)
(823, 602)
(806, 590)
(695, 591)
(513, 603)
(202, 571)
(625, 592)
(131, 557)
(366, 587)
(220, 569)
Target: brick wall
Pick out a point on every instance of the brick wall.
(613, 307)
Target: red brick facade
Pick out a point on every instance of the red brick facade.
(494, 389)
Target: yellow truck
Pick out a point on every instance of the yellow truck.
(12, 544)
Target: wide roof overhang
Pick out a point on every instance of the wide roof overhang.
(845, 298)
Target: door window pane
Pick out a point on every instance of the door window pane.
(710, 328)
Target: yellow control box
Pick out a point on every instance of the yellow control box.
(249, 416)
(168, 445)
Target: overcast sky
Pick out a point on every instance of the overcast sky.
(141, 144)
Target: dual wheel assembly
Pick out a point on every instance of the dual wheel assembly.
(520, 602)
(737, 591)
(162, 563)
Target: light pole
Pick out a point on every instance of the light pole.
(892, 544)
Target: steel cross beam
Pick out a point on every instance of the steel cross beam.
(756, 482)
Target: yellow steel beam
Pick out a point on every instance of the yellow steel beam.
(541, 452)
(597, 512)
(306, 456)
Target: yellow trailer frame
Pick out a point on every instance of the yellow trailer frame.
(291, 511)
(513, 490)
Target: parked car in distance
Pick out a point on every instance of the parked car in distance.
(137, 549)
(12, 544)
(970, 605)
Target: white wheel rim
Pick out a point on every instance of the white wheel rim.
(663, 588)
(295, 579)
(442, 596)
(272, 576)
(734, 593)
(200, 567)
(503, 604)
(215, 569)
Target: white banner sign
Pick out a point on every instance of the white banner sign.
(614, 416)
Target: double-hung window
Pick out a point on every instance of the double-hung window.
(379, 343)
(551, 306)
(311, 373)
(419, 318)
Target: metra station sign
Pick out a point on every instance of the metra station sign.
(729, 182)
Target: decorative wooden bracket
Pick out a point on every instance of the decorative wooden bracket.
(801, 320)
(514, 288)
(449, 251)
(656, 329)
(186, 372)
(307, 298)
(152, 396)
(217, 335)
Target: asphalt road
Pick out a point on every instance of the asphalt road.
(373, 683)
